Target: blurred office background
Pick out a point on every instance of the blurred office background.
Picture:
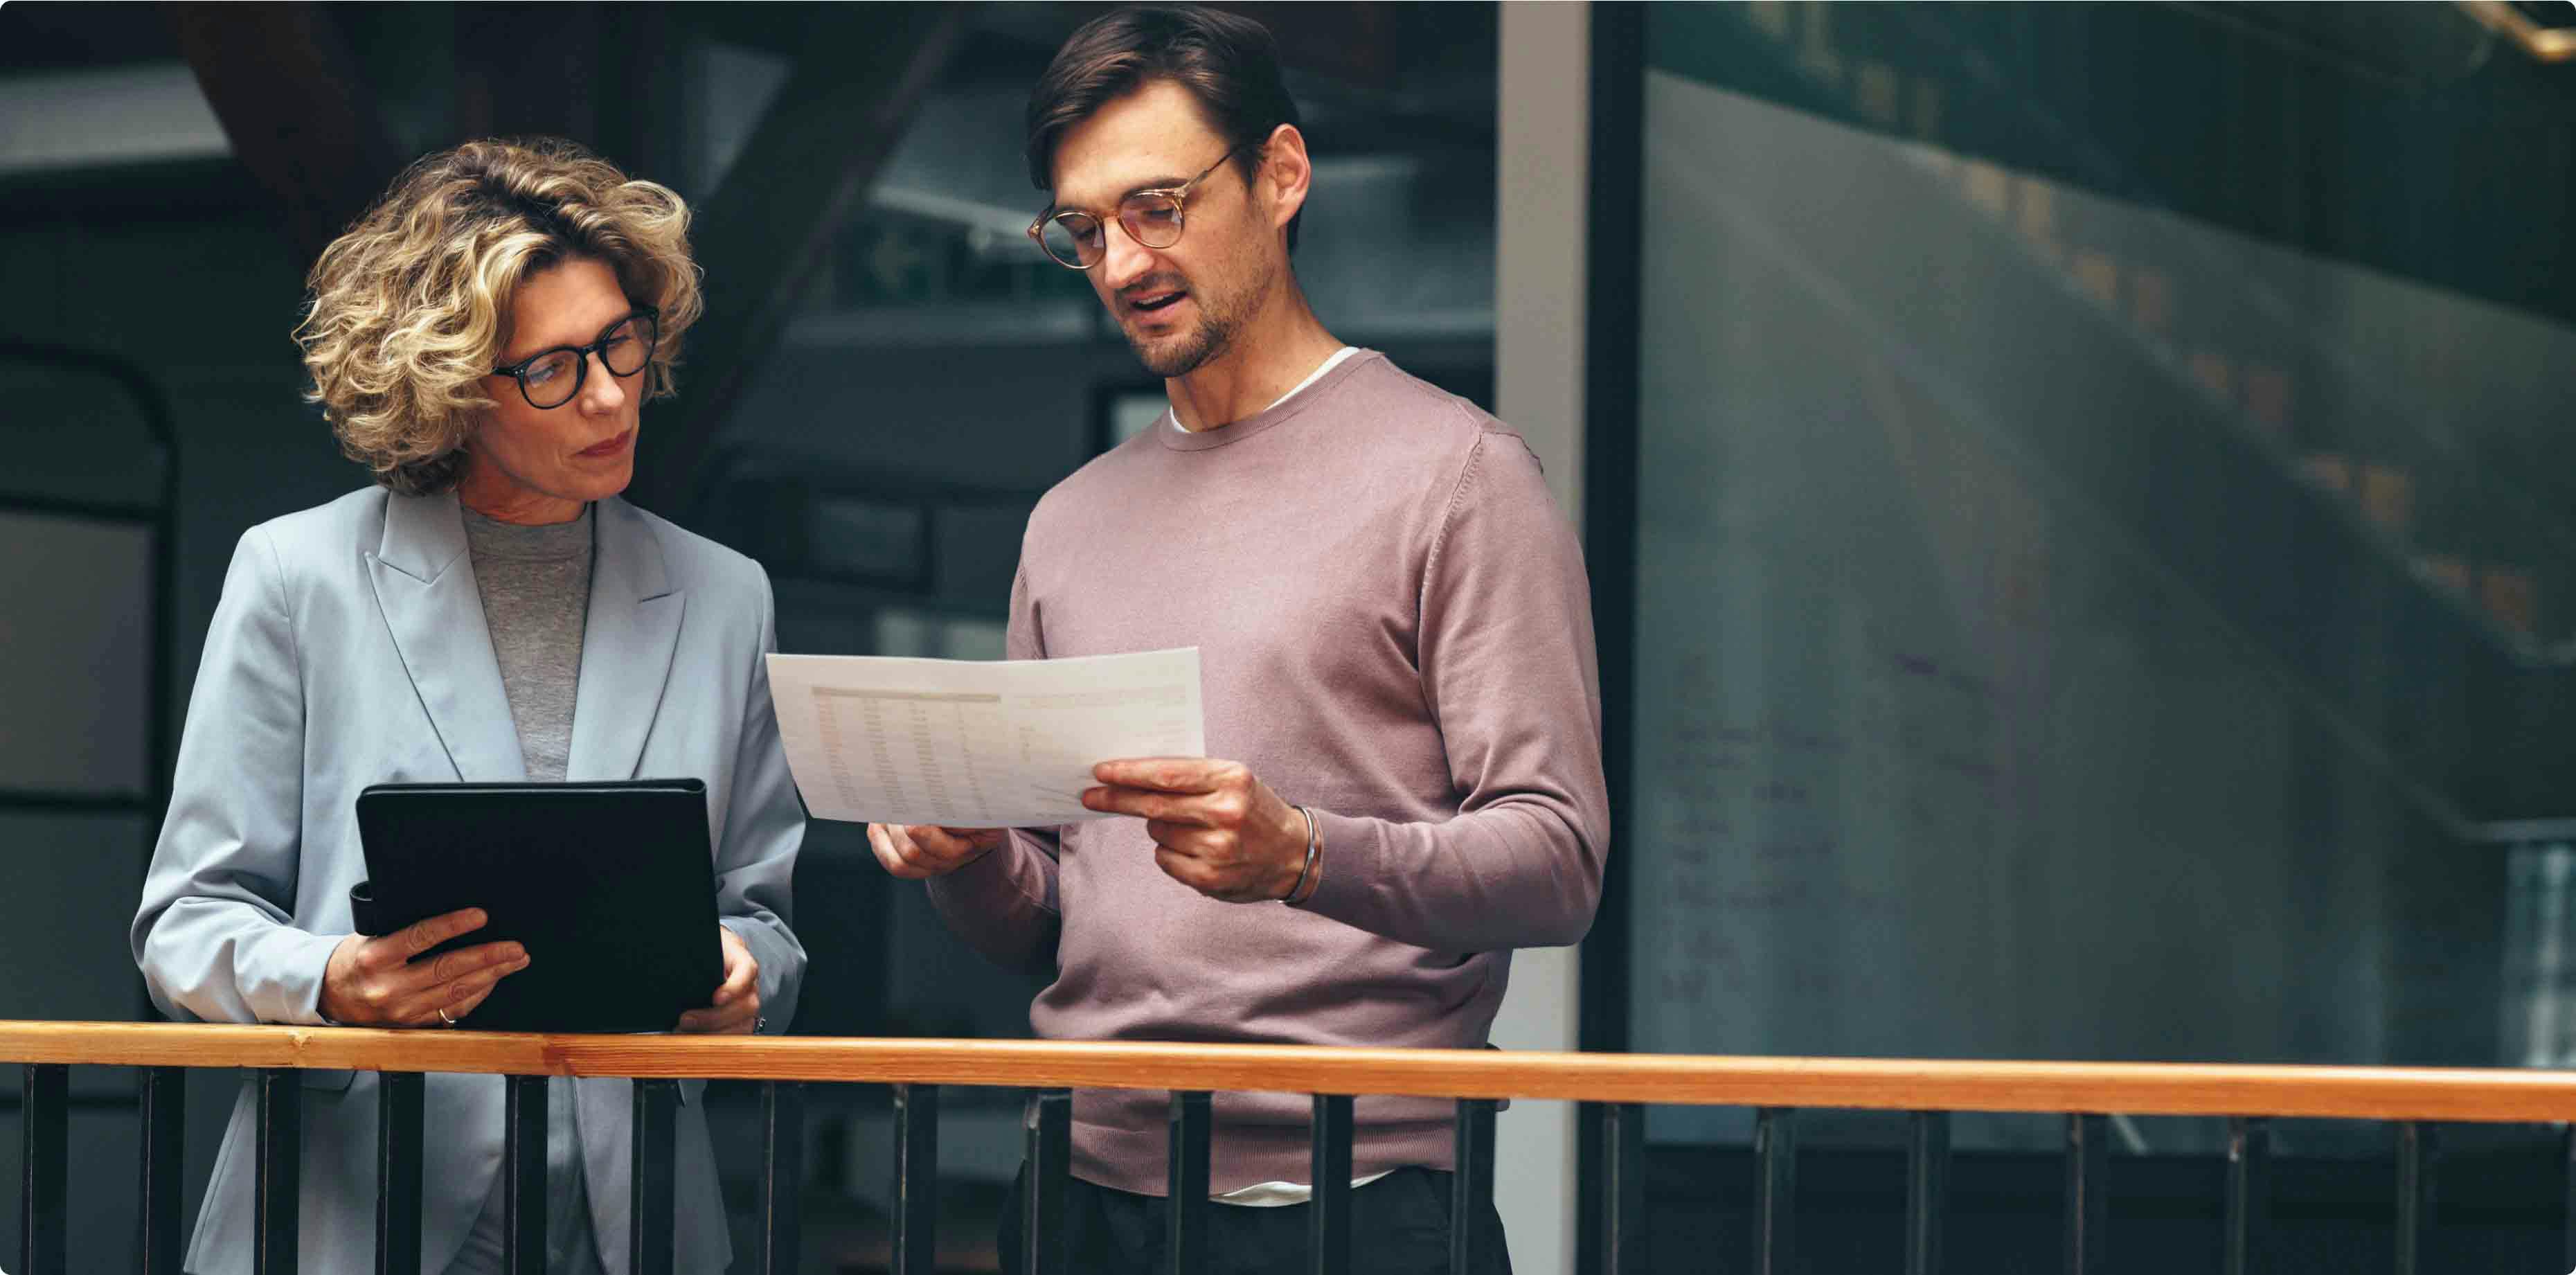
(2076, 497)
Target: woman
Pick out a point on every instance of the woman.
(490, 611)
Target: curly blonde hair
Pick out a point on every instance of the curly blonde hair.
(411, 308)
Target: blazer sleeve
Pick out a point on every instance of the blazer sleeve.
(764, 827)
(213, 935)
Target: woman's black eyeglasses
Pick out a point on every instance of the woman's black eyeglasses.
(550, 378)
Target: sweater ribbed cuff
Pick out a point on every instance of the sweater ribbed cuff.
(1352, 865)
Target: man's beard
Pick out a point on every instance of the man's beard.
(1214, 334)
(1218, 325)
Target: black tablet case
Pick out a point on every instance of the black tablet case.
(609, 886)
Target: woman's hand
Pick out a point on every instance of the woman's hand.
(373, 982)
(736, 1008)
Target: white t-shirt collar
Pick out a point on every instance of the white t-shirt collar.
(1293, 391)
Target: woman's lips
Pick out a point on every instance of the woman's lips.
(611, 447)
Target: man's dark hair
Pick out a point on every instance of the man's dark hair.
(1227, 62)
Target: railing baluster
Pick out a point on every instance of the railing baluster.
(165, 1144)
(1329, 1250)
(44, 1122)
(2088, 1178)
(782, 1174)
(651, 1181)
(1193, 1127)
(1775, 1190)
(916, 1180)
(278, 1180)
(1471, 1186)
(1613, 1189)
(1927, 1190)
(1614, 1214)
(2249, 1194)
(1045, 1248)
(2567, 1183)
(400, 1096)
(2415, 1156)
(523, 1159)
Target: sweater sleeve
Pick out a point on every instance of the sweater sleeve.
(1508, 668)
(1004, 904)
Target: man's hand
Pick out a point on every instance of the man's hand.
(736, 1008)
(1216, 829)
(373, 982)
(917, 852)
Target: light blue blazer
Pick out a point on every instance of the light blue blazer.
(350, 649)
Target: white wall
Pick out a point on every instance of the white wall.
(1543, 121)
(1543, 124)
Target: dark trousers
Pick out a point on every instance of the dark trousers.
(1399, 1226)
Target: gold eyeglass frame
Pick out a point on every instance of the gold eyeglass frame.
(1179, 195)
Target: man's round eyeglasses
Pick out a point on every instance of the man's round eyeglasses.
(1077, 240)
(550, 378)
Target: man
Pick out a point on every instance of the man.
(1396, 647)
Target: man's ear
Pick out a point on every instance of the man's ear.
(1285, 175)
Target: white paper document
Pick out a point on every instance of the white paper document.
(976, 743)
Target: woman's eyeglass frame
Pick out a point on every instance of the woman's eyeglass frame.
(652, 341)
(1135, 205)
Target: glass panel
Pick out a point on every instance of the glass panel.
(75, 654)
(2085, 612)
(70, 433)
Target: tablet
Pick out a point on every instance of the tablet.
(609, 886)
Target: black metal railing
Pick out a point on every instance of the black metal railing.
(1611, 1090)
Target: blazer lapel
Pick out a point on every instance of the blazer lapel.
(424, 584)
(626, 646)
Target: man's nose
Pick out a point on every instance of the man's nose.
(1122, 260)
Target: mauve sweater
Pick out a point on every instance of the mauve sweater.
(1394, 629)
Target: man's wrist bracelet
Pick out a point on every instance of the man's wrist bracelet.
(1301, 891)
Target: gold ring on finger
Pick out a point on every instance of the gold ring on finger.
(442, 1016)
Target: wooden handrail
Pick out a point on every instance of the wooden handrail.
(2177, 1089)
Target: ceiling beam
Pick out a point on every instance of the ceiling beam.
(286, 87)
(761, 234)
